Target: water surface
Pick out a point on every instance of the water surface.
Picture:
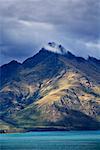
(75, 140)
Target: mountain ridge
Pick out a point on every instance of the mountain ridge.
(57, 46)
(50, 91)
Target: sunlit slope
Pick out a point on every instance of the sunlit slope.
(50, 91)
(68, 102)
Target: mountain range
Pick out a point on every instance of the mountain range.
(53, 90)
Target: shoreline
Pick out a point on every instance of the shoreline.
(44, 130)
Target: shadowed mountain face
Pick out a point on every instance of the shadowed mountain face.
(53, 90)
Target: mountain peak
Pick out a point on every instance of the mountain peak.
(54, 47)
(11, 64)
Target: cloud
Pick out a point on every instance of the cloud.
(26, 26)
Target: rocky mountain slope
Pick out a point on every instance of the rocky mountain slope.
(53, 90)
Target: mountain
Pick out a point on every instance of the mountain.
(53, 90)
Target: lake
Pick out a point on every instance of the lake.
(67, 140)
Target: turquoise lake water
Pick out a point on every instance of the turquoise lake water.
(75, 140)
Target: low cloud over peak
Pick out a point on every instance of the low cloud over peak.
(26, 26)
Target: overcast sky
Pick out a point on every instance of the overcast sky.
(27, 25)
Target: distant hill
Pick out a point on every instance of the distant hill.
(53, 90)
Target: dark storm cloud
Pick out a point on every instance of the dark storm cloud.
(26, 25)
